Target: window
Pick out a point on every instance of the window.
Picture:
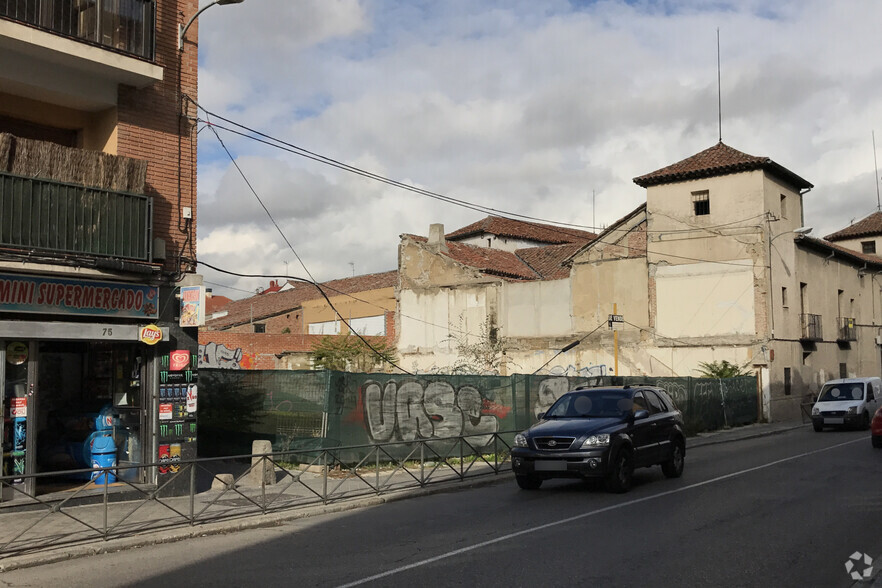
(369, 325)
(784, 297)
(868, 247)
(640, 402)
(843, 370)
(701, 202)
(787, 381)
(259, 327)
(655, 405)
(783, 206)
(325, 328)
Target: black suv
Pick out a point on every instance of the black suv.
(602, 433)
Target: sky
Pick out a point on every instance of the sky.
(541, 108)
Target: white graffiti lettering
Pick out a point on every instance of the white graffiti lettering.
(214, 355)
(407, 411)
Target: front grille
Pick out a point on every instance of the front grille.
(833, 413)
(554, 443)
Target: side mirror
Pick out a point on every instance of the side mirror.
(540, 416)
(641, 414)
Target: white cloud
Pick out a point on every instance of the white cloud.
(521, 106)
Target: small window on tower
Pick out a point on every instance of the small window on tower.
(868, 247)
(259, 327)
(701, 202)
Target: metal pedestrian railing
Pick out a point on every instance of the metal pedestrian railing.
(270, 483)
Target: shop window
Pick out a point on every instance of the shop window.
(701, 202)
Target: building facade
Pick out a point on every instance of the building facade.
(98, 231)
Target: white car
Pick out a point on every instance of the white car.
(847, 402)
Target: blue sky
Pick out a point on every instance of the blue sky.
(522, 106)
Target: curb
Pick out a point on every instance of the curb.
(699, 442)
(223, 527)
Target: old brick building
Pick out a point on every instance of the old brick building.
(97, 228)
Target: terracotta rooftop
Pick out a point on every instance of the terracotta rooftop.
(515, 229)
(548, 261)
(717, 161)
(839, 250)
(489, 261)
(871, 225)
(262, 306)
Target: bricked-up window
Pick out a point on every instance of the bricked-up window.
(701, 202)
(787, 381)
(259, 328)
(868, 246)
(843, 370)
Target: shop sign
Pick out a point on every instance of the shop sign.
(48, 295)
(179, 359)
(192, 306)
(151, 334)
(165, 412)
(16, 353)
(19, 408)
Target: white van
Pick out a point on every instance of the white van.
(848, 402)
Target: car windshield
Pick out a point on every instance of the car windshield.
(839, 392)
(591, 403)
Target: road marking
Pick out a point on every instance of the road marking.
(462, 550)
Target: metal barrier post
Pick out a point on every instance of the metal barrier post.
(263, 483)
(325, 477)
(192, 494)
(377, 464)
(106, 480)
(422, 463)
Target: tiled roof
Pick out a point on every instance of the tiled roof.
(216, 303)
(515, 229)
(717, 161)
(262, 306)
(548, 261)
(872, 225)
(489, 261)
(839, 250)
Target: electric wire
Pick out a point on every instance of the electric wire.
(318, 287)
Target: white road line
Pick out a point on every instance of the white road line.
(589, 514)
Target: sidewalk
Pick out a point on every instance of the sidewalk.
(77, 531)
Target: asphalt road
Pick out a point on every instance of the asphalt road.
(783, 510)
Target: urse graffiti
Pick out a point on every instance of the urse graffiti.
(218, 355)
(408, 411)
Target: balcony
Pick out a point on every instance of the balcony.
(811, 327)
(847, 330)
(58, 218)
(124, 25)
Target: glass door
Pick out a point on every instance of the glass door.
(18, 384)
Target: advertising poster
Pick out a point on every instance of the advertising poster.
(192, 306)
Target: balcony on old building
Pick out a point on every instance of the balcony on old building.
(847, 330)
(64, 203)
(810, 327)
(124, 25)
(76, 53)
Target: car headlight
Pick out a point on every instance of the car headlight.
(816, 411)
(520, 440)
(852, 410)
(596, 441)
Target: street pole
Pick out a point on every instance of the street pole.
(616, 341)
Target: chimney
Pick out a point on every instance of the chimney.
(436, 238)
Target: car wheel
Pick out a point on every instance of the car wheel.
(818, 427)
(619, 478)
(529, 482)
(865, 423)
(877, 441)
(673, 468)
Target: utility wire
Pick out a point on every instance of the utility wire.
(318, 287)
(567, 348)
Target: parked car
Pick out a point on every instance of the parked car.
(876, 428)
(847, 402)
(602, 433)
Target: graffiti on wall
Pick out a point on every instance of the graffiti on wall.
(572, 371)
(218, 355)
(409, 410)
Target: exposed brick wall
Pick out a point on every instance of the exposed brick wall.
(151, 128)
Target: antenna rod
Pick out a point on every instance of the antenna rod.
(719, 89)
(876, 166)
(594, 208)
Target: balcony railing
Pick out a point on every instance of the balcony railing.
(56, 217)
(127, 25)
(811, 327)
(847, 331)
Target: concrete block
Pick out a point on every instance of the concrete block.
(262, 470)
(222, 482)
